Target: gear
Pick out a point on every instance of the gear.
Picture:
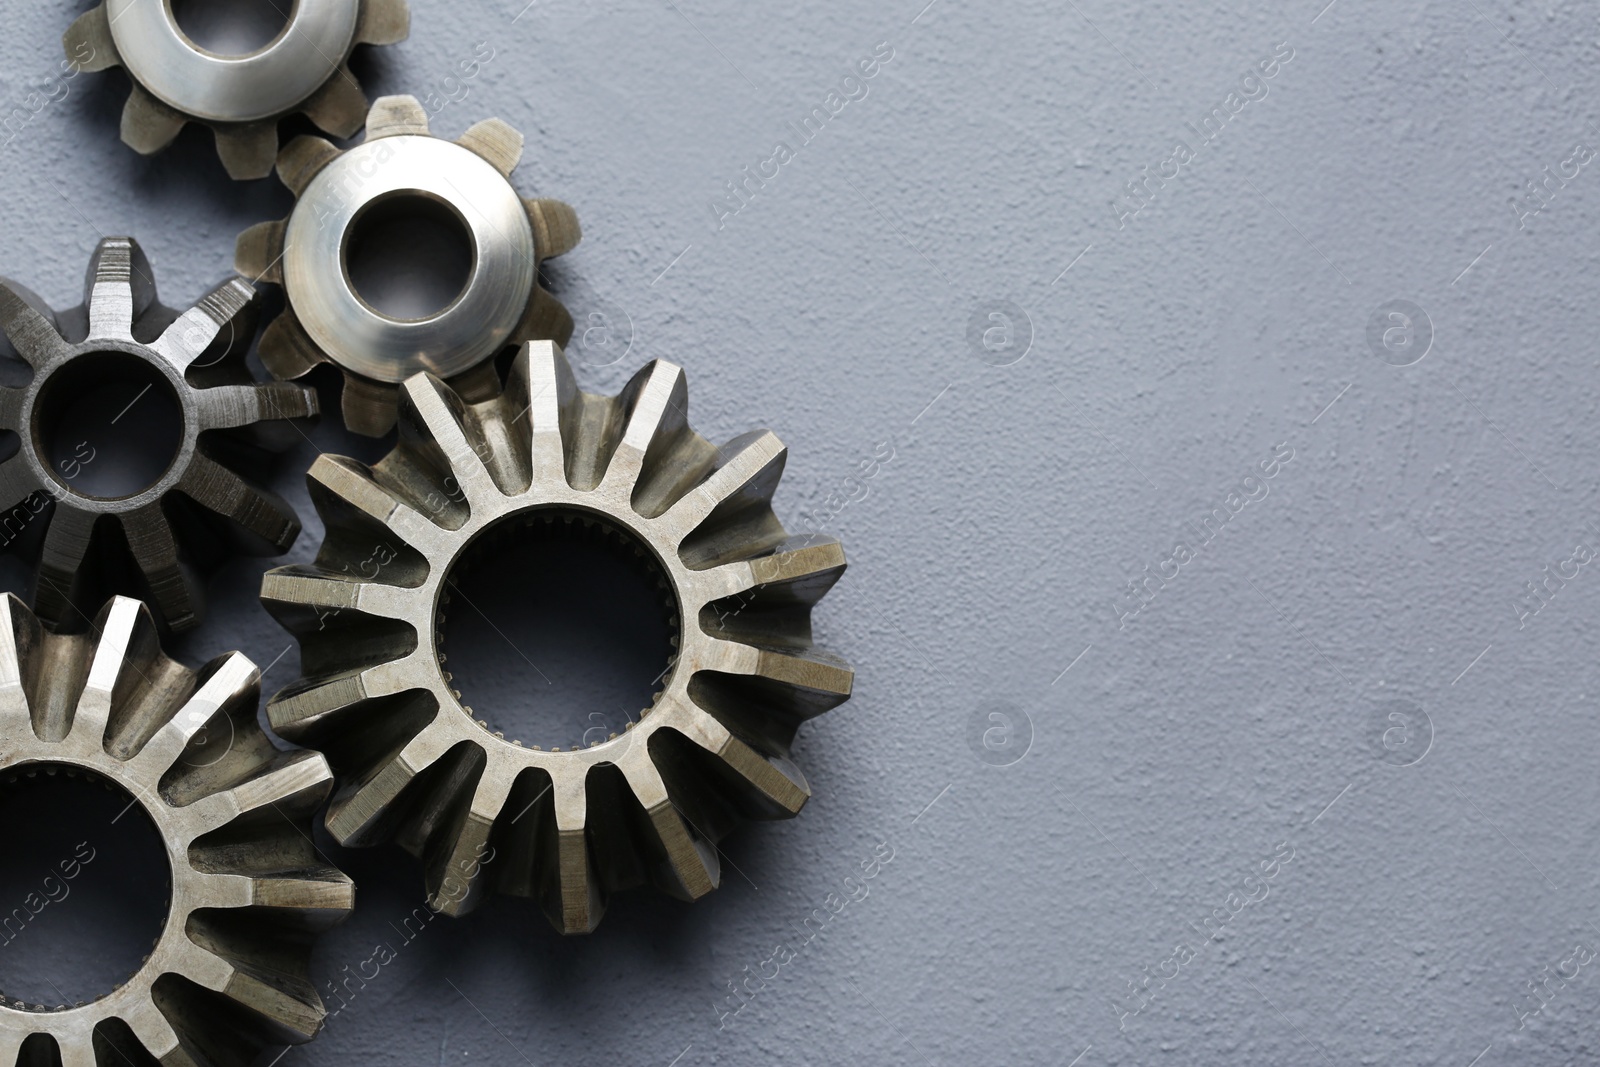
(642, 806)
(229, 973)
(405, 169)
(123, 344)
(305, 68)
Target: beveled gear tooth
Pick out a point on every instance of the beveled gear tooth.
(136, 713)
(645, 801)
(286, 351)
(29, 325)
(547, 318)
(655, 405)
(174, 587)
(353, 817)
(227, 307)
(89, 46)
(148, 125)
(369, 407)
(384, 22)
(248, 150)
(340, 106)
(258, 253)
(119, 288)
(267, 519)
(396, 116)
(496, 141)
(555, 227)
(300, 161)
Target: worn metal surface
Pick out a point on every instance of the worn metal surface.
(146, 542)
(229, 972)
(486, 812)
(305, 68)
(327, 320)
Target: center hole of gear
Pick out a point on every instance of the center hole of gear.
(108, 425)
(409, 256)
(84, 889)
(232, 27)
(557, 629)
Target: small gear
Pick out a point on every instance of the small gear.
(305, 68)
(404, 169)
(229, 972)
(217, 418)
(644, 806)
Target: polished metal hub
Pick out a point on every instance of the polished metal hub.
(327, 320)
(230, 970)
(156, 540)
(642, 806)
(305, 68)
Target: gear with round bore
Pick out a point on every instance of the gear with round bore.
(229, 973)
(155, 541)
(642, 806)
(407, 174)
(305, 69)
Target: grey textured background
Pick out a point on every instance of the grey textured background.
(1242, 708)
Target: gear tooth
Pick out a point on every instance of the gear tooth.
(340, 106)
(258, 253)
(89, 46)
(547, 319)
(173, 586)
(148, 125)
(247, 149)
(555, 227)
(230, 306)
(29, 325)
(384, 22)
(542, 388)
(656, 414)
(119, 288)
(743, 481)
(457, 875)
(353, 817)
(497, 141)
(323, 895)
(61, 577)
(301, 160)
(570, 891)
(126, 640)
(267, 519)
(369, 407)
(287, 1002)
(286, 350)
(395, 116)
(432, 417)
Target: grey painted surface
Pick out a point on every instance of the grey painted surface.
(1384, 562)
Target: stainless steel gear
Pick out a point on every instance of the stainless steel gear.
(566, 827)
(401, 166)
(155, 541)
(228, 973)
(305, 68)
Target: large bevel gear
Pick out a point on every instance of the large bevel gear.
(229, 973)
(400, 162)
(566, 827)
(156, 541)
(241, 98)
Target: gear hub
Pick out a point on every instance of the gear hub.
(614, 809)
(206, 418)
(229, 971)
(304, 68)
(403, 177)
